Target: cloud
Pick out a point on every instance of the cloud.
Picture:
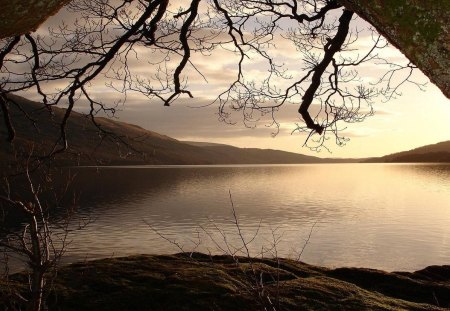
(218, 69)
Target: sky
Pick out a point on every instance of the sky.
(417, 118)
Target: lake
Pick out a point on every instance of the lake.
(383, 216)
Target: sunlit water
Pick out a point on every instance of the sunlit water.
(391, 217)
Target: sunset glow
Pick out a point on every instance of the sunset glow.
(414, 119)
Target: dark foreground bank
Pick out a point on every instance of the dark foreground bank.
(178, 282)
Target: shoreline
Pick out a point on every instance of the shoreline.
(203, 282)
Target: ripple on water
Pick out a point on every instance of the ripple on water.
(392, 217)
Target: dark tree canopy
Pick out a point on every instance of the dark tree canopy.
(168, 36)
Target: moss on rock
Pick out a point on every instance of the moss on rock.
(178, 282)
(420, 29)
(23, 16)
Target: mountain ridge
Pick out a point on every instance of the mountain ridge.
(131, 144)
(437, 153)
(87, 146)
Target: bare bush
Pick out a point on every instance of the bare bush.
(39, 239)
(258, 276)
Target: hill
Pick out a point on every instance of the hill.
(127, 144)
(439, 152)
(257, 156)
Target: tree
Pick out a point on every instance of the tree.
(110, 34)
(418, 28)
(397, 20)
(44, 214)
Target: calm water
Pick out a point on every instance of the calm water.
(392, 217)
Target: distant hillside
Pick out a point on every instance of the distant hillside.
(88, 147)
(237, 155)
(439, 152)
(201, 143)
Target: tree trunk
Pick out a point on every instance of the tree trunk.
(420, 29)
(36, 263)
(37, 290)
(22, 16)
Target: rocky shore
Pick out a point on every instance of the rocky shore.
(202, 282)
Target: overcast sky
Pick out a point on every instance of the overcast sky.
(414, 119)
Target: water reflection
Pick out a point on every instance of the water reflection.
(393, 217)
